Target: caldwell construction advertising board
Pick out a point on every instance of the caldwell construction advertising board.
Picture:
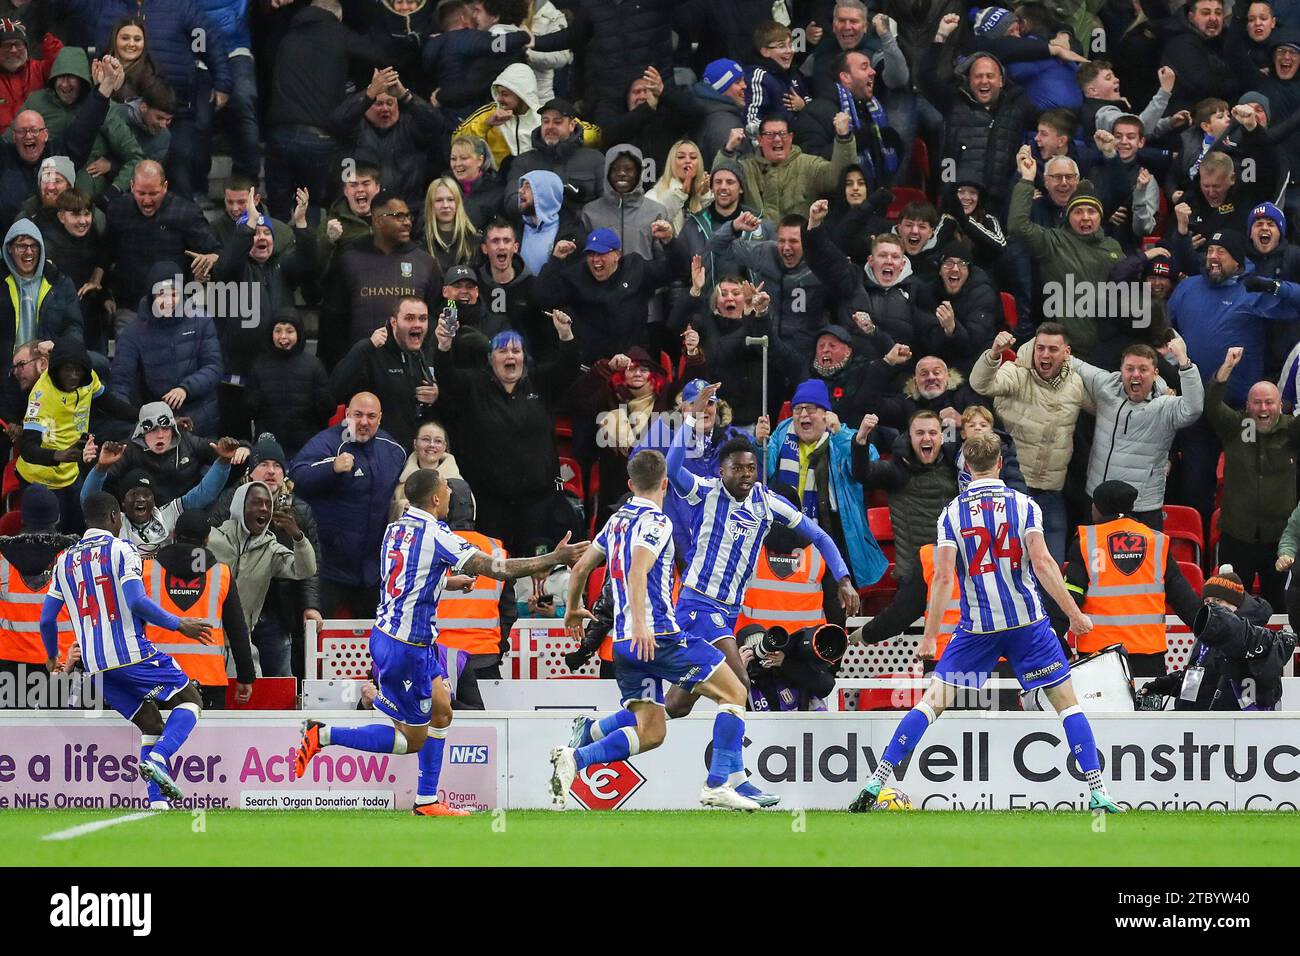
(966, 761)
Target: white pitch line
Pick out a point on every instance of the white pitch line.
(82, 829)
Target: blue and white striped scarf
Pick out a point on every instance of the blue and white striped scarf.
(787, 469)
(887, 163)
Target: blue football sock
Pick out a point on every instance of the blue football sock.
(728, 737)
(430, 757)
(179, 724)
(602, 728)
(908, 733)
(617, 746)
(1083, 745)
(375, 738)
(747, 789)
(147, 744)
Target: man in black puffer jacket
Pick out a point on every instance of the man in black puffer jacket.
(985, 119)
(958, 310)
(251, 258)
(558, 147)
(920, 481)
(1236, 662)
(288, 392)
(884, 288)
(723, 321)
(396, 364)
(504, 432)
(1198, 55)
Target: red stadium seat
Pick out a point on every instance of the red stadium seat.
(563, 427)
(338, 415)
(269, 693)
(882, 529)
(890, 698)
(1183, 526)
(571, 476)
(1009, 315)
(787, 411)
(920, 164)
(902, 196)
(1218, 484)
(595, 582)
(11, 522)
(10, 486)
(876, 597)
(1008, 355)
(1195, 577)
(1214, 539)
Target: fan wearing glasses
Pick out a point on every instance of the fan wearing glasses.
(785, 179)
(373, 277)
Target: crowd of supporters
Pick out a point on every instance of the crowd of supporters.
(511, 239)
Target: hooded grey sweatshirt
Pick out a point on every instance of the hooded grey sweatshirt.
(29, 289)
(629, 214)
(257, 558)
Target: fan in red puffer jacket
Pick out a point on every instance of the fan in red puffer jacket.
(19, 73)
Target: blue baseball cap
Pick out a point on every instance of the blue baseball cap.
(603, 240)
(692, 391)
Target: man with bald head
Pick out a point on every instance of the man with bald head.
(20, 160)
(151, 224)
(347, 473)
(1259, 477)
(932, 386)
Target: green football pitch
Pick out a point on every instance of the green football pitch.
(703, 838)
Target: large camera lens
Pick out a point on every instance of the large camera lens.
(829, 642)
(776, 639)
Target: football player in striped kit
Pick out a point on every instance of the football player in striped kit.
(99, 579)
(421, 556)
(730, 518)
(985, 534)
(650, 647)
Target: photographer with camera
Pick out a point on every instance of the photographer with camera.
(1236, 663)
(791, 672)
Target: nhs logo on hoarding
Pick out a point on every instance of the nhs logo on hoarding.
(468, 753)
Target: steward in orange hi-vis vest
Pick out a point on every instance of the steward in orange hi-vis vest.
(1120, 575)
(20, 618)
(951, 611)
(207, 591)
(186, 578)
(785, 591)
(471, 620)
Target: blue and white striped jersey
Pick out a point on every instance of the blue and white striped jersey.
(90, 578)
(987, 524)
(640, 524)
(727, 535)
(418, 551)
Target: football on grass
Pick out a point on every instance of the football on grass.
(891, 798)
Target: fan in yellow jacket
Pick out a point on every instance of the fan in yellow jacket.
(507, 123)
